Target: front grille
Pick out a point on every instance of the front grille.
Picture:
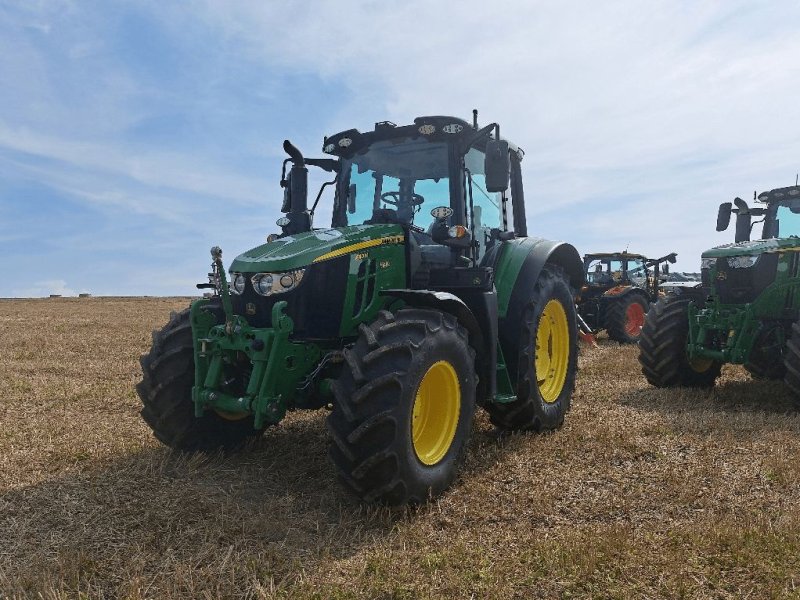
(740, 286)
(315, 305)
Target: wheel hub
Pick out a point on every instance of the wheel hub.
(437, 407)
(552, 351)
(634, 319)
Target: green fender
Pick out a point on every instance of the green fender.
(520, 262)
(517, 268)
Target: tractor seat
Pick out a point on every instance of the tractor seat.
(382, 216)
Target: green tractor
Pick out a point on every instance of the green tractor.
(423, 299)
(746, 311)
(619, 289)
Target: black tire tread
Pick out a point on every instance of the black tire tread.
(362, 426)
(525, 413)
(791, 360)
(165, 392)
(662, 347)
(616, 316)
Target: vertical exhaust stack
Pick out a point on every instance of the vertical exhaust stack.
(295, 192)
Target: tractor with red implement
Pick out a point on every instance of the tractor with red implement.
(618, 291)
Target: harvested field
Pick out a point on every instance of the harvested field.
(642, 493)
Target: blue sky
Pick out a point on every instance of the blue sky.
(135, 135)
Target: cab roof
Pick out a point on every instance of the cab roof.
(435, 128)
(780, 194)
(621, 255)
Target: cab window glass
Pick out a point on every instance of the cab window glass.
(637, 272)
(615, 268)
(487, 206)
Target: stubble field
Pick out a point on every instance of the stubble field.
(642, 493)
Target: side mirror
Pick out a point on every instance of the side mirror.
(497, 166)
(666, 269)
(351, 198)
(724, 216)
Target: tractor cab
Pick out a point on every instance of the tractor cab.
(448, 184)
(606, 273)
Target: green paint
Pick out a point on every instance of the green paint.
(300, 250)
(505, 391)
(509, 264)
(278, 365)
(730, 332)
(371, 270)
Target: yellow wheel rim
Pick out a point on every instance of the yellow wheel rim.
(229, 416)
(437, 407)
(700, 365)
(552, 351)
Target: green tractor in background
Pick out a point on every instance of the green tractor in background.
(619, 288)
(746, 311)
(423, 299)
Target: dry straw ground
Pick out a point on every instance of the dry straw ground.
(643, 493)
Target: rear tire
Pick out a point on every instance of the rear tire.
(662, 348)
(166, 394)
(625, 317)
(547, 358)
(404, 406)
(791, 360)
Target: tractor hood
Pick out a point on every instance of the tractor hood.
(752, 248)
(302, 249)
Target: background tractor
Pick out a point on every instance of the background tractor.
(423, 299)
(618, 291)
(746, 310)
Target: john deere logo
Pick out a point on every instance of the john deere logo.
(722, 275)
(250, 308)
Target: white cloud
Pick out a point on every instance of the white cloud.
(637, 118)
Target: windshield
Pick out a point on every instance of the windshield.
(788, 218)
(604, 271)
(398, 180)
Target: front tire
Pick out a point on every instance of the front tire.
(662, 348)
(547, 358)
(625, 318)
(166, 394)
(767, 358)
(404, 406)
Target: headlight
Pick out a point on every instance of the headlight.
(707, 263)
(262, 284)
(742, 262)
(237, 284)
(267, 284)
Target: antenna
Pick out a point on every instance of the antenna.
(796, 177)
(474, 118)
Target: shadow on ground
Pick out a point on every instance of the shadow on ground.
(277, 503)
(272, 511)
(738, 407)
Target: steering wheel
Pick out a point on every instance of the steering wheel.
(393, 199)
